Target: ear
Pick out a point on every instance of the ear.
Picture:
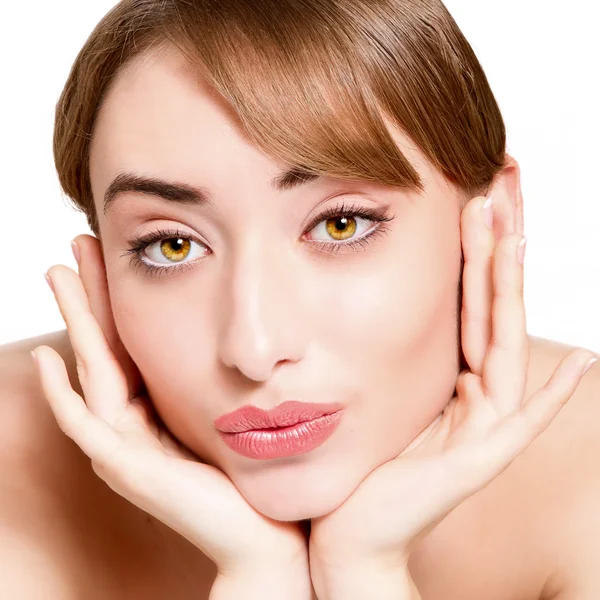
(508, 199)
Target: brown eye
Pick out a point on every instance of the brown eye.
(171, 251)
(341, 227)
(175, 249)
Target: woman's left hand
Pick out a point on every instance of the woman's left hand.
(478, 435)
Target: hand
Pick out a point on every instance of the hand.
(132, 451)
(482, 430)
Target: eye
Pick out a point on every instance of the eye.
(165, 251)
(172, 250)
(340, 226)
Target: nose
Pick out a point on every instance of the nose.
(262, 324)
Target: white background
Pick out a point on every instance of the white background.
(541, 57)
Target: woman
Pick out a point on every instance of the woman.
(282, 401)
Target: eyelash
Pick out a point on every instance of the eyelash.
(138, 245)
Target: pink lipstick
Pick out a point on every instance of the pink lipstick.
(287, 430)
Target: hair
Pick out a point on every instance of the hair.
(312, 82)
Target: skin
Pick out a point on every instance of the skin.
(483, 429)
(262, 313)
(528, 534)
(365, 545)
(507, 198)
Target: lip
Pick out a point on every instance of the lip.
(264, 444)
(289, 429)
(286, 414)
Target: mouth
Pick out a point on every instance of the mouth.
(279, 442)
(287, 414)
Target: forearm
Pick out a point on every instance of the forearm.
(361, 581)
(266, 583)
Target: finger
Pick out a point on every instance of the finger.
(507, 360)
(102, 379)
(92, 271)
(143, 418)
(515, 434)
(478, 250)
(93, 435)
(125, 470)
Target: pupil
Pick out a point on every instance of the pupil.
(341, 223)
(175, 242)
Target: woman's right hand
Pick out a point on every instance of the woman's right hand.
(129, 448)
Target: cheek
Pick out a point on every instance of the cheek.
(396, 328)
(165, 328)
(399, 302)
(156, 327)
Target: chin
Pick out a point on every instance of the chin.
(295, 499)
(302, 509)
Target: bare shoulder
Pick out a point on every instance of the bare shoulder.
(26, 421)
(567, 440)
(528, 534)
(36, 461)
(562, 469)
(20, 394)
(60, 521)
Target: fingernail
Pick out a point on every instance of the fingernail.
(488, 213)
(34, 357)
(76, 251)
(49, 282)
(589, 366)
(521, 250)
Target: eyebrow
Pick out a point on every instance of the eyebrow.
(182, 193)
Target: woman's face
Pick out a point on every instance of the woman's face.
(256, 308)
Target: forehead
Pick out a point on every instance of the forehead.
(161, 118)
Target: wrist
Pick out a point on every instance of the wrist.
(266, 581)
(289, 557)
(363, 579)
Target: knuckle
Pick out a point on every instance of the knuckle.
(68, 426)
(82, 369)
(99, 469)
(80, 363)
(116, 466)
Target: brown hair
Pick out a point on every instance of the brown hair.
(311, 81)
